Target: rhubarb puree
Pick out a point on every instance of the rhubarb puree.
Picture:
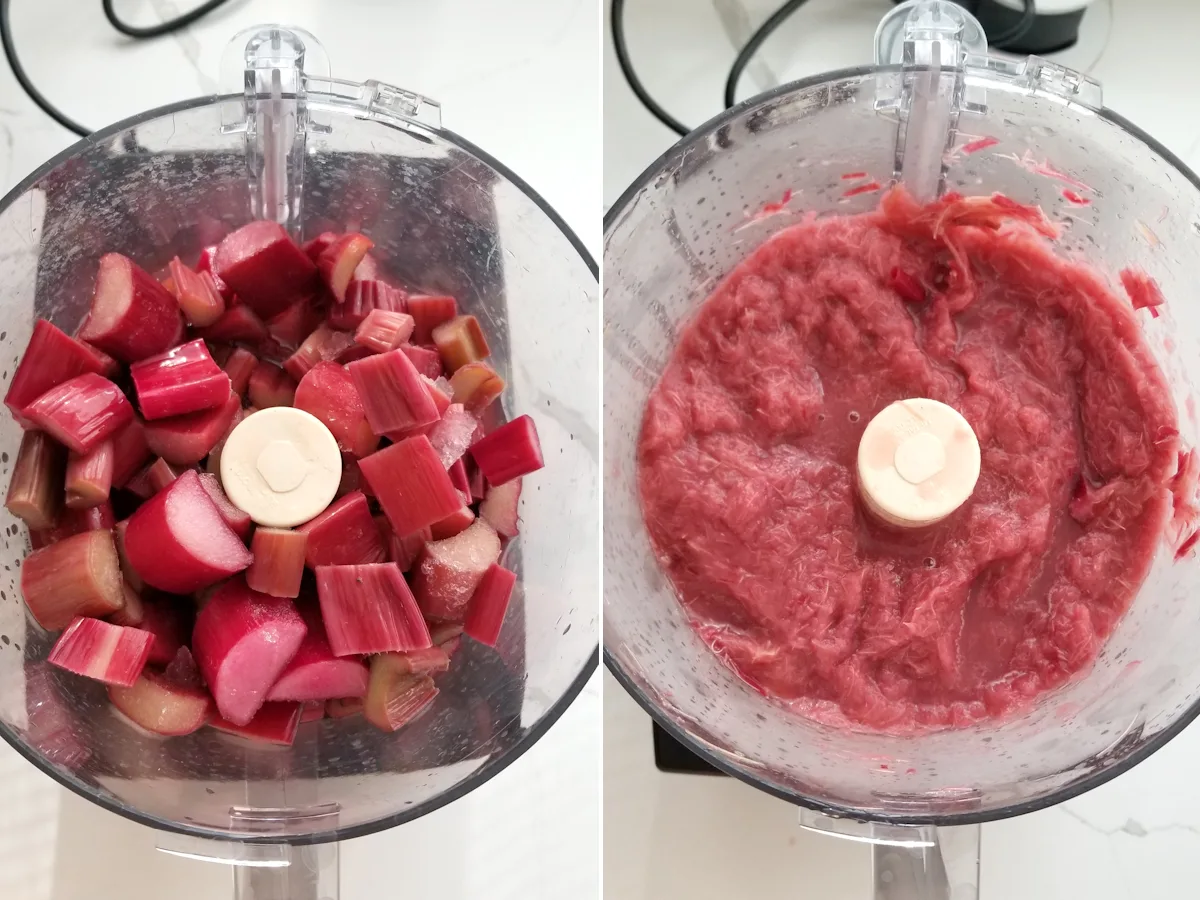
(747, 462)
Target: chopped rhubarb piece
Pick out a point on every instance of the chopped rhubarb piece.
(311, 711)
(133, 613)
(403, 551)
(35, 492)
(382, 331)
(183, 380)
(182, 670)
(140, 484)
(453, 434)
(344, 535)
(158, 704)
(265, 267)
(443, 633)
(429, 661)
(328, 392)
(243, 640)
(77, 576)
(393, 394)
(107, 366)
(315, 247)
(475, 477)
(239, 366)
(110, 653)
(411, 484)
(239, 323)
(475, 386)
(338, 261)
(75, 521)
(199, 299)
(323, 345)
(455, 523)
(212, 465)
(343, 707)
(178, 542)
(50, 359)
(460, 341)
(294, 324)
(237, 519)
(489, 603)
(499, 507)
(448, 571)
(369, 609)
(159, 474)
(393, 700)
(363, 296)
(316, 674)
(278, 564)
(271, 386)
(132, 578)
(1143, 290)
(185, 440)
(89, 476)
(458, 478)
(130, 452)
(429, 312)
(426, 360)
(81, 413)
(167, 621)
(509, 452)
(132, 316)
(274, 723)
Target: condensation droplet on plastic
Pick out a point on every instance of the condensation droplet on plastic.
(930, 562)
(854, 416)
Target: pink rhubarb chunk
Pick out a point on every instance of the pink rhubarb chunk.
(323, 345)
(182, 380)
(426, 360)
(485, 615)
(499, 507)
(271, 386)
(393, 700)
(429, 312)
(264, 267)
(369, 609)
(411, 484)
(316, 674)
(278, 565)
(237, 519)
(35, 491)
(239, 323)
(363, 296)
(177, 541)
(199, 299)
(509, 452)
(274, 723)
(338, 261)
(243, 641)
(382, 331)
(132, 316)
(392, 392)
(448, 571)
(343, 535)
(50, 359)
(89, 477)
(328, 392)
(81, 413)
(110, 653)
(162, 706)
(130, 452)
(185, 440)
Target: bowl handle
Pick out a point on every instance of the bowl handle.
(267, 871)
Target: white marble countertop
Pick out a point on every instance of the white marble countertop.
(712, 838)
(519, 79)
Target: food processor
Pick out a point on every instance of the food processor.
(286, 142)
(937, 113)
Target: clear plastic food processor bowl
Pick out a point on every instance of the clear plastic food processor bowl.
(289, 143)
(938, 114)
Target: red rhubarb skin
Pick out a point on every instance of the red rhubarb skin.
(747, 459)
(132, 315)
(428, 313)
(237, 519)
(243, 641)
(264, 267)
(178, 542)
(327, 391)
(448, 572)
(78, 576)
(427, 361)
(411, 484)
(85, 639)
(239, 323)
(489, 603)
(184, 379)
(393, 395)
(369, 609)
(81, 413)
(316, 674)
(275, 723)
(185, 440)
(50, 359)
(130, 452)
(278, 566)
(509, 452)
(362, 297)
(499, 508)
(343, 535)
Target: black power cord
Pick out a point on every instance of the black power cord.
(131, 31)
(1019, 29)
